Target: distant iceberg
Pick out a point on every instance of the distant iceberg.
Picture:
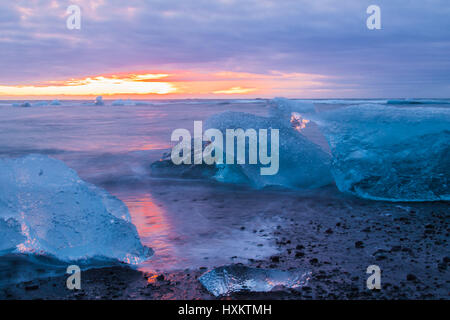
(40, 104)
(129, 102)
(25, 104)
(55, 102)
(387, 153)
(121, 102)
(99, 101)
(46, 209)
(223, 281)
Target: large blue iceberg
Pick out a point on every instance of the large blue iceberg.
(302, 163)
(46, 209)
(388, 153)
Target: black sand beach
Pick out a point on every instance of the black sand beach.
(335, 238)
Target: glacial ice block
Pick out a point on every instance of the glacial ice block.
(45, 208)
(282, 108)
(389, 153)
(235, 278)
(302, 163)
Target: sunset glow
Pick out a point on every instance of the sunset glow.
(174, 84)
(100, 85)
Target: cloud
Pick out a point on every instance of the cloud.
(178, 83)
(409, 56)
(235, 90)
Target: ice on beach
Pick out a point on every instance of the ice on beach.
(225, 280)
(282, 109)
(45, 208)
(388, 153)
(302, 163)
(55, 103)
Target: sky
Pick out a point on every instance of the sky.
(224, 49)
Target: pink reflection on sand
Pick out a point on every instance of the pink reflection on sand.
(154, 229)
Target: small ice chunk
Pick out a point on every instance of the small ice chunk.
(235, 278)
(55, 102)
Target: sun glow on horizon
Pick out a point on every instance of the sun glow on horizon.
(135, 84)
(177, 84)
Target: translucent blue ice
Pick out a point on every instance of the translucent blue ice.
(45, 208)
(389, 153)
(235, 278)
(302, 163)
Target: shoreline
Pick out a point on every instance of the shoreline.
(407, 240)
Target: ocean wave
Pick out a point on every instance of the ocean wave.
(418, 101)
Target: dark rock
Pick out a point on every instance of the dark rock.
(275, 259)
(160, 277)
(411, 277)
(32, 287)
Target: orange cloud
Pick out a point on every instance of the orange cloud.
(235, 90)
(135, 84)
(173, 84)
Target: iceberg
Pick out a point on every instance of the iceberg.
(40, 104)
(46, 209)
(99, 101)
(55, 102)
(225, 280)
(23, 105)
(281, 109)
(121, 102)
(302, 163)
(388, 153)
(166, 168)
